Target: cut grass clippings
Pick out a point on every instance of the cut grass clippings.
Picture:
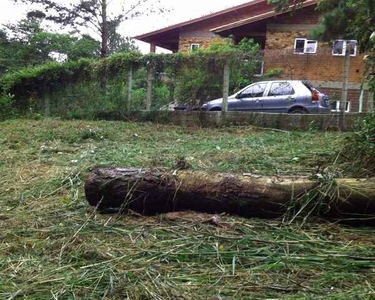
(53, 246)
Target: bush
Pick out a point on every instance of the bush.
(52, 77)
(365, 138)
(360, 149)
(7, 109)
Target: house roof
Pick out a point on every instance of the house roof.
(263, 16)
(227, 19)
(147, 36)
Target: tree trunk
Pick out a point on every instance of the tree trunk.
(105, 32)
(151, 191)
(104, 43)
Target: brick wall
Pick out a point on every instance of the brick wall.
(204, 42)
(353, 97)
(323, 66)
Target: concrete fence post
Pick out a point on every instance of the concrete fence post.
(226, 84)
(129, 88)
(47, 103)
(371, 102)
(361, 99)
(150, 75)
(345, 83)
(171, 91)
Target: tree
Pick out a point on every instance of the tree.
(117, 44)
(84, 47)
(95, 14)
(27, 44)
(3, 54)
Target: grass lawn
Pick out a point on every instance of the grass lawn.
(54, 246)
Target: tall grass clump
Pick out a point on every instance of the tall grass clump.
(359, 152)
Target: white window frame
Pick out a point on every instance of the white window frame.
(347, 108)
(261, 71)
(344, 47)
(305, 47)
(194, 45)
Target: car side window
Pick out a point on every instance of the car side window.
(256, 90)
(281, 89)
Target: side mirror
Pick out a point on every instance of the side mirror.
(238, 96)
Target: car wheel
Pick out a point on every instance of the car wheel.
(300, 111)
(215, 109)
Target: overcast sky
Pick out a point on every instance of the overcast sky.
(181, 10)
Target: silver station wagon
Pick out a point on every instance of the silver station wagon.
(281, 96)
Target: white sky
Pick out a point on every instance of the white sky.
(181, 10)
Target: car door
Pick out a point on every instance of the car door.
(250, 99)
(279, 97)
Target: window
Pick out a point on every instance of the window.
(256, 90)
(305, 46)
(259, 68)
(281, 89)
(336, 106)
(339, 48)
(194, 47)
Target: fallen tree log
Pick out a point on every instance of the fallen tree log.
(154, 191)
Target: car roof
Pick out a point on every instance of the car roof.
(280, 80)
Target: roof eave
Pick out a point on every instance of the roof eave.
(264, 16)
(147, 36)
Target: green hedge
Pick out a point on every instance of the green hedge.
(29, 85)
(34, 81)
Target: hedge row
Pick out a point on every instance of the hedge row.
(34, 81)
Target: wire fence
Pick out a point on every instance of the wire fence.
(155, 85)
(164, 83)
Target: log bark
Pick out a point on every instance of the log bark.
(154, 191)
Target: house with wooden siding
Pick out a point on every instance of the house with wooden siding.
(284, 38)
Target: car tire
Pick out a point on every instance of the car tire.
(299, 111)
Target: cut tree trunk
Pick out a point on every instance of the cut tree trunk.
(153, 191)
